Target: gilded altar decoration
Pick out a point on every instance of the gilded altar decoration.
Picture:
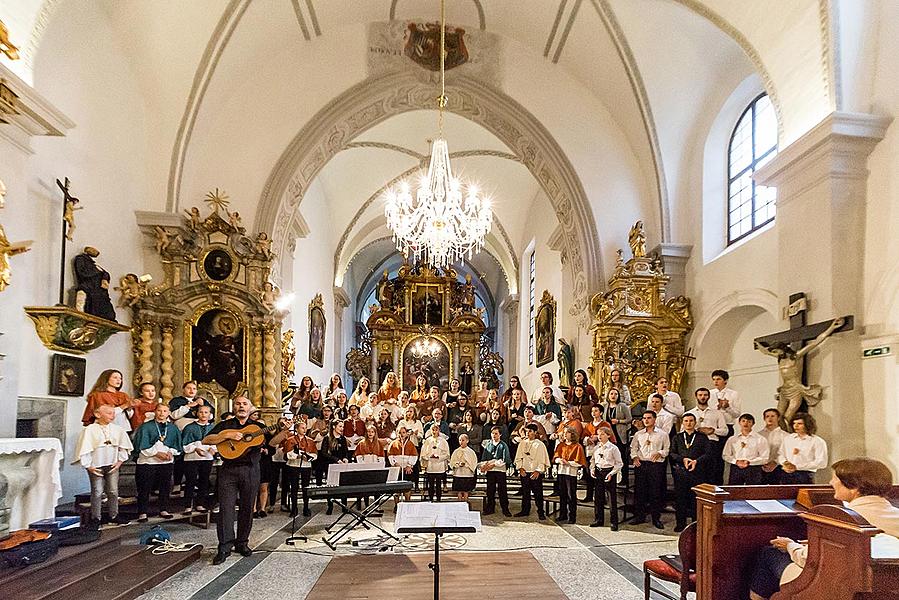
(636, 328)
(64, 329)
(317, 328)
(422, 45)
(425, 324)
(214, 308)
(288, 359)
(7, 248)
(6, 46)
(545, 330)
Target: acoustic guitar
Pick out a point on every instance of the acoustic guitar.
(252, 436)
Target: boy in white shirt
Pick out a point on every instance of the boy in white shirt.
(101, 449)
(156, 443)
(771, 472)
(746, 452)
(802, 452)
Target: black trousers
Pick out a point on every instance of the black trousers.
(149, 477)
(751, 475)
(178, 469)
(797, 478)
(237, 484)
(567, 496)
(625, 450)
(532, 487)
(294, 475)
(196, 475)
(649, 489)
(496, 484)
(716, 462)
(434, 482)
(602, 488)
(774, 477)
(685, 499)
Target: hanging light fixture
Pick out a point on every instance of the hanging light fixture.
(439, 222)
(426, 345)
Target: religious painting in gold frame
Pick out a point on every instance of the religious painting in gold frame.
(317, 328)
(218, 263)
(216, 347)
(435, 368)
(426, 304)
(545, 330)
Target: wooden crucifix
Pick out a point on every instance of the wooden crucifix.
(69, 206)
(790, 349)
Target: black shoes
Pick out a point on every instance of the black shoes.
(597, 524)
(220, 557)
(572, 521)
(521, 514)
(657, 523)
(541, 516)
(121, 520)
(561, 518)
(243, 550)
(614, 527)
(488, 511)
(507, 512)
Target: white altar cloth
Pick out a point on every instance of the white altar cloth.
(31, 469)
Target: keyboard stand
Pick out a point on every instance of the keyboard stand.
(356, 518)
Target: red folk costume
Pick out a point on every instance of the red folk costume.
(141, 409)
(299, 444)
(567, 451)
(591, 429)
(353, 427)
(576, 424)
(366, 447)
(398, 448)
(96, 399)
(386, 393)
(385, 428)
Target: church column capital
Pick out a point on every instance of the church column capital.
(341, 299)
(674, 257)
(510, 305)
(838, 147)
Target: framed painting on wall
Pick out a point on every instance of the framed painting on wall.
(67, 375)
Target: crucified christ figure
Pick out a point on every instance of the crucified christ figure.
(790, 363)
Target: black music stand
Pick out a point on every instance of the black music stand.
(437, 530)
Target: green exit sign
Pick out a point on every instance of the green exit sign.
(872, 352)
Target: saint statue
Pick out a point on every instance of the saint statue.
(466, 299)
(466, 377)
(637, 240)
(566, 363)
(92, 286)
(792, 392)
(385, 292)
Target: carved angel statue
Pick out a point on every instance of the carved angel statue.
(263, 244)
(6, 46)
(288, 355)
(790, 363)
(163, 240)
(131, 290)
(269, 295)
(637, 240)
(193, 216)
(234, 220)
(8, 248)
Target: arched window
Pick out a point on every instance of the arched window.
(752, 144)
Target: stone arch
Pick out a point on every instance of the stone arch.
(375, 100)
(765, 299)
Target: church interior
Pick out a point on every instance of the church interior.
(600, 230)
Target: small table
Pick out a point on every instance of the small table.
(436, 518)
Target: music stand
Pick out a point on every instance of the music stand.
(446, 518)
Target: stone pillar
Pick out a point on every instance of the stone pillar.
(510, 307)
(821, 187)
(341, 302)
(271, 388)
(674, 257)
(166, 381)
(256, 381)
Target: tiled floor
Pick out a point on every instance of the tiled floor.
(587, 563)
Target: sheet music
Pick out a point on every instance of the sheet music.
(769, 506)
(436, 514)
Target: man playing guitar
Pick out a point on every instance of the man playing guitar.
(238, 482)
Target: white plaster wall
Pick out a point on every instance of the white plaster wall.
(92, 83)
(313, 273)
(881, 319)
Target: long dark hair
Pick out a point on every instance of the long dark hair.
(103, 381)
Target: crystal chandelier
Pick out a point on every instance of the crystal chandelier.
(438, 222)
(425, 346)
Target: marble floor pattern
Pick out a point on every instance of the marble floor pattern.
(587, 563)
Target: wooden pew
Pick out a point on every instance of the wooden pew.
(731, 531)
(840, 564)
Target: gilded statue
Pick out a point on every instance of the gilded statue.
(8, 248)
(131, 290)
(637, 240)
(6, 46)
(269, 295)
(385, 292)
(263, 245)
(163, 240)
(288, 359)
(193, 217)
(790, 363)
(235, 221)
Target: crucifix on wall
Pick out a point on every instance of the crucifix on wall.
(790, 349)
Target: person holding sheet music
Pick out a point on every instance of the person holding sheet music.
(531, 461)
(403, 453)
(569, 458)
(464, 464)
(434, 457)
(354, 428)
(300, 451)
(495, 460)
(606, 463)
